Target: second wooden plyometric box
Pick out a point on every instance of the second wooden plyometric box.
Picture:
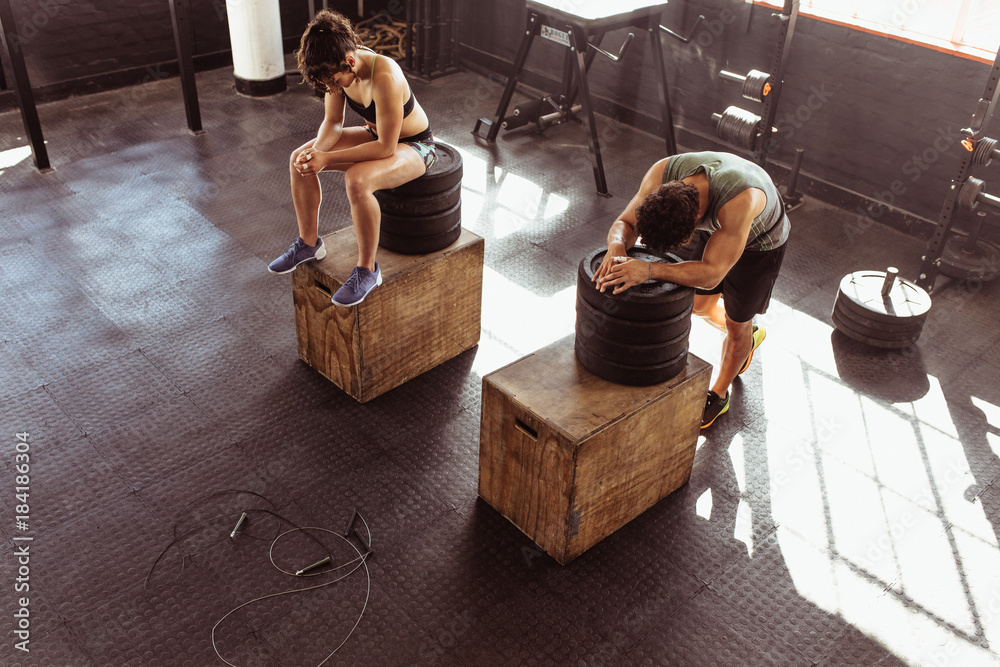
(569, 458)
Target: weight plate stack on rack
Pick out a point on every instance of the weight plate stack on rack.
(880, 309)
(638, 337)
(424, 215)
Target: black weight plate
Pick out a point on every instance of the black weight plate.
(905, 300)
(878, 334)
(629, 331)
(626, 353)
(982, 264)
(636, 376)
(393, 204)
(865, 337)
(442, 176)
(426, 225)
(419, 245)
(844, 309)
(652, 300)
(845, 304)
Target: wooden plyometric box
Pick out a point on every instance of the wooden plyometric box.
(427, 310)
(569, 458)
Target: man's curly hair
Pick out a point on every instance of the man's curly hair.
(667, 217)
(324, 47)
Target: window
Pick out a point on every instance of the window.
(966, 27)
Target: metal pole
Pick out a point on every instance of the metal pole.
(428, 36)
(182, 41)
(22, 88)
(409, 35)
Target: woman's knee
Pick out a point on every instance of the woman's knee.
(357, 184)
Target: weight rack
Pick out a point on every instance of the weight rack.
(746, 129)
(967, 192)
(580, 29)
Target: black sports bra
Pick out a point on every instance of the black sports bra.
(368, 112)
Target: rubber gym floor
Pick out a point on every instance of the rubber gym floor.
(846, 511)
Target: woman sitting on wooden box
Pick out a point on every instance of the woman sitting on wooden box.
(394, 146)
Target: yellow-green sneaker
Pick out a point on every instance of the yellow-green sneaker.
(759, 333)
(715, 407)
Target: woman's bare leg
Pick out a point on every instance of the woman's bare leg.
(307, 193)
(362, 180)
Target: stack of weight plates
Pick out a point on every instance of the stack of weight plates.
(892, 320)
(638, 337)
(424, 215)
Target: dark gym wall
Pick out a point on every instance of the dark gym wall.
(878, 118)
(73, 47)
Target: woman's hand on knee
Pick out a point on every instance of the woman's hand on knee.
(310, 162)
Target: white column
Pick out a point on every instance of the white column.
(258, 58)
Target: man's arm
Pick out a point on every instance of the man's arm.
(623, 234)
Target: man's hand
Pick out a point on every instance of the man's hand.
(310, 162)
(614, 250)
(623, 273)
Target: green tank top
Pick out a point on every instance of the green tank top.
(728, 175)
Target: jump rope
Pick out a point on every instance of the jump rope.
(308, 571)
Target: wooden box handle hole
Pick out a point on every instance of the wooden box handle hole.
(323, 288)
(525, 429)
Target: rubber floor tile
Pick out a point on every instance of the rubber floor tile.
(697, 528)
(455, 572)
(394, 507)
(160, 312)
(617, 601)
(99, 556)
(244, 405)
(16, 376)
(202, 504)
(324, 444)
(43, 620)
(762, 588)
(242, 281)
(67, 347)
(856, 648)
(38, 414)
(103, 639)
(197, 356)
(443, 458)
(894, 376)
(710, 631)
(112, 391)
(441, 391)
(524, 630)
(174, 615)
(56, 648)
(67, 480)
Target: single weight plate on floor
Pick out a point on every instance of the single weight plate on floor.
(651, 300)
(442, 176)
(871, 337)
(904, 302)
(401, 205)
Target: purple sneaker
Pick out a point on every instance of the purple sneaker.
(357, 287)
(299, 252)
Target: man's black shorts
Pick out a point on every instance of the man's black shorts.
(746, 289)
